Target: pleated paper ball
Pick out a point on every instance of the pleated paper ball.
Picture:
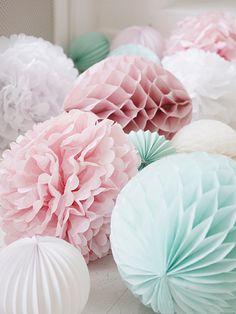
(146, 36)
(89, 49)
(136, 93)
(42, 275)
(135, 50)
(173, 234)
(35, 77)
(206, 135)
(210, 81)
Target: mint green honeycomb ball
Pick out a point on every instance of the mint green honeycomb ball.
(173, 234)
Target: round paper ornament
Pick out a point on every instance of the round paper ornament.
(150, 146)
(136, 93)
(206, 135)
(43, 275)
(211, 31)
(210, 81)
(89, 49)
(135, 50)
(62, 179)
(35, 77)
(146, 36)
(173, 234)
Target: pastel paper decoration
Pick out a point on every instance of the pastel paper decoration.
(210, 81)
(35, 77)
(146, 36)
(136, 93)
(206, 135)
(135, 50)
(150, 146)
(88, 49)
(211, 31)
(43, 275)
(173, 234)
(62, 179)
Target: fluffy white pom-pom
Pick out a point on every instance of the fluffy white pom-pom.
(35, 77)
(210, 81)
(206, 135)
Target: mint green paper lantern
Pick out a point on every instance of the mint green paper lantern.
(88, 49)
(173, 234)
(135, 50)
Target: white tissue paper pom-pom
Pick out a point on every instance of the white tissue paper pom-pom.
(35, 77)
(210, 81)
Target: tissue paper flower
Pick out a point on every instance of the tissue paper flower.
(35, 77)
(206, 135)
(146, 36)
(213, 31)
(150, 146)
(210, 81)
(136, 93)
(62, 179)
(135, 50)
(173, 234)
(43, 275)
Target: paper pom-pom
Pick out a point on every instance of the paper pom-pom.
(136, 93)
(210, 81)
(62, 179)
(43, 275)
(173, 234)
(141, 35)
(206, 135)
(135, 50)
(35, 77)
(89, 49)
(150, 146)
(214, 31)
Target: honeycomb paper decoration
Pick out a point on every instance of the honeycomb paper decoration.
(136, 93)
(173, 234)
(211, 136)
(42, 275)
(150, 146)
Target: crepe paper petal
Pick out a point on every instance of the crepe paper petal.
(206, 135)
(173, 234)
(35, 77)
(88, 49)
(43, 275)
(136, 93)
(150, 146)
(146, 36)
(135, 50)
(213, 95)
(62, 178)
(211, 31)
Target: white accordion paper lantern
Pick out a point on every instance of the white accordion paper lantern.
(35, 77)
(209, 80)
(42, 275)
(206, 135)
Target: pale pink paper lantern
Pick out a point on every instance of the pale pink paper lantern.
(136, 93)
(146, 36)
(211, 31)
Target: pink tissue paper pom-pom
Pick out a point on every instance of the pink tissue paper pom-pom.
(62, 178)
(146, 36)
(212, 31)
(136, 93)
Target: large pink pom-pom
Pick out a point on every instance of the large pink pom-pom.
(213, 31)
(136, 93)
(62, 179)
(141, 35)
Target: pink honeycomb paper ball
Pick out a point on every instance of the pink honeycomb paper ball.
(62, 178)
(211, 31)
(136, 93)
